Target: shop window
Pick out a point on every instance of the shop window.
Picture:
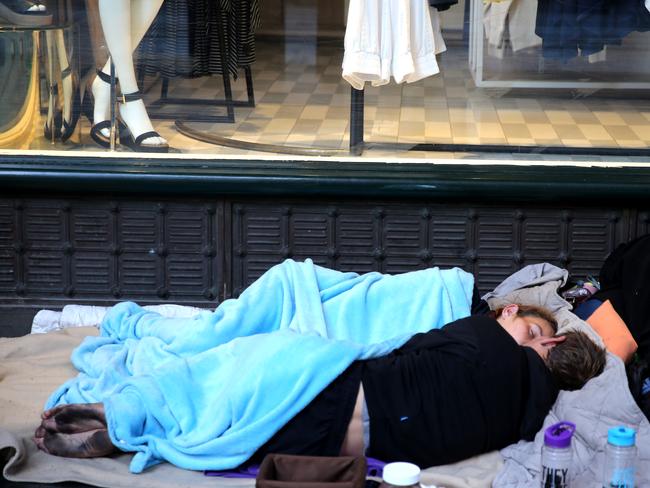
(251, 78)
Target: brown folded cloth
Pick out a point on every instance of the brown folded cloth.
(290, 471)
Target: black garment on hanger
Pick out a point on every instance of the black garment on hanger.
(573, 27)
(441, 5)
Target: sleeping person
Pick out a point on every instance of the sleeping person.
(477, 384)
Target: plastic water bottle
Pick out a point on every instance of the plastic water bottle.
(556, 455)
(620, 456)
(402, 475)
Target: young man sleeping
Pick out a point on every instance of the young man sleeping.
(475, 385)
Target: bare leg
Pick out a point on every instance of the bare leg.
(124, 23)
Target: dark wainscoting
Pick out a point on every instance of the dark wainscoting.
(87, 249)
(97, 230)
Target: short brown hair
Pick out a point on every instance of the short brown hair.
(532, 311)
(575, 360)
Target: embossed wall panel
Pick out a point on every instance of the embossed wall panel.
(309, 233)
(448, 231)
(44, 225)
(7, 224)
(92, 272)
(496, 231)
(138, 229)
(45, 271)
(356, 232)
(91, 249)
(186, 229)
(92, 228)
(7, 270)
(543, 236)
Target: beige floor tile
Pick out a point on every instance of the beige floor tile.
(642, 132)
(543, 131)
(510, 116)
(412, 114)
(279, 126)
(459, 130)
(559, 117)
(634, 119)
(521, 141)
(281, 86)
(327, 88)
(467, 139)
(333, 126)
(435, 130)
(621, 133)
(609, 118)
(412, 129)
(518, 131)
(568, 131)
(595, 132)
(297, 98)
(461, 115)
(632, 143)
(490, 131)
(314, 112)
(576, 142)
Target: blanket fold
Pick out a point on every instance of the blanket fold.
(206, 392)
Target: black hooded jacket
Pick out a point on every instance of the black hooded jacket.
(455, 392)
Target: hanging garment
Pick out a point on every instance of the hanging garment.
(584, 27)
(184, 38)
(387, 38)
(514, 17)
(441, 5)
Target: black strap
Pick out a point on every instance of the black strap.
(129, 97)
(104, 77)
(66, 72)
(145, 135)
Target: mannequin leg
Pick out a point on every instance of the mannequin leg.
(143, 13)
(66, 80)
(120, 20)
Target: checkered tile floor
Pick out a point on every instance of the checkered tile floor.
(301, 100)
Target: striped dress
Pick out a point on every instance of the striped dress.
(184, 38)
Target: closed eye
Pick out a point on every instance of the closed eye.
(535, 331)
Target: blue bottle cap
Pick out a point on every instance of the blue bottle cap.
(559, 435)
(621, 436)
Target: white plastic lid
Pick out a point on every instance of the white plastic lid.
(401, 474)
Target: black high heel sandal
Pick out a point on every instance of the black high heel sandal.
(24, 13)
(53, 122)
(75, 110)
(135, 144)
(96, 130)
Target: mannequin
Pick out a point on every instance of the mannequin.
(63, 126)
(124, 23)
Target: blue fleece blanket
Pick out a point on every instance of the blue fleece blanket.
(206, 392)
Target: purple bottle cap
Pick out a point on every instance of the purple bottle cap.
(559, 435)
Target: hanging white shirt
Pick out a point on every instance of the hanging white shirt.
(385, 38)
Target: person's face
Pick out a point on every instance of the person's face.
(524, 329)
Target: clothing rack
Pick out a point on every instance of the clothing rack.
(476, 64)
(156, 108)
